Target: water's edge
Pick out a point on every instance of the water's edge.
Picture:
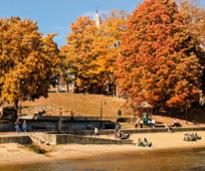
(168, 160)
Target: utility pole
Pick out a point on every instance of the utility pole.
(60, 121)
(101, 113)
(186, 114)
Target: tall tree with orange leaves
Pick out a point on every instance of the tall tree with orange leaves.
(80, 53)
(159, 62)
(91, 52)
(194, 16)
(27, 60)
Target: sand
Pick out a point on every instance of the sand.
(12, 154)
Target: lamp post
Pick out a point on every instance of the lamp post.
(101, 112)
(186, 114)
(188, 105)
(60, 120)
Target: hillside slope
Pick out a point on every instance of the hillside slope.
(90, 104)
(80, 104)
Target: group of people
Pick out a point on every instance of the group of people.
(19, 126)
(191, 137)
(150, 123)
(144, 143)
(120, 134)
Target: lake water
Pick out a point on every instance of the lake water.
(191, 160)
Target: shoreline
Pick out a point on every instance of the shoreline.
(102, 155)
(16, 154)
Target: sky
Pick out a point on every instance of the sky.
(55, 16)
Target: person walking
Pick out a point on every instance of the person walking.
(24, 126)
(17, 127)
(141, 123)
(96, 131)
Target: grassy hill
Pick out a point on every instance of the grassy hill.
(90, 104)
(80, 104)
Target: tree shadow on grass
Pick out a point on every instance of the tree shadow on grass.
(195, 114)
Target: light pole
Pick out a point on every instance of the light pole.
(188, 105)
(101, 112)
(60, 121)
(186, 114)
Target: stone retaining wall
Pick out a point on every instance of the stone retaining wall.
(52, 138)
(134, 131)
(15, 139)
(66, 139)
(44, 137)
(5, 127)
(180, 129)
(107, 132)
(158, 130)
(77, 139)
(42, 125)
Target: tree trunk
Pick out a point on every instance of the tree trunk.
(16, 106)
(67, 87)
(16, 102)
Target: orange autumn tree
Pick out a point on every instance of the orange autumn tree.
(194, 16)
(80, 52)
(91, 52)
(159, 62)
(112, 29)
(27, 60)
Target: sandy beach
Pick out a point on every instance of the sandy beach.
(12, 154)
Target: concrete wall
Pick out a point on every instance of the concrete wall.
(107, 132)
(44, 126)
(53, 138)
(133, 131)
(15, 139)
(43, 137)
(66, 139)
(188, 129)
(77, 139)
(146, 130)
(6, 127)
(157, 130)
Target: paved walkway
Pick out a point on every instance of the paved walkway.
(132, 131)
